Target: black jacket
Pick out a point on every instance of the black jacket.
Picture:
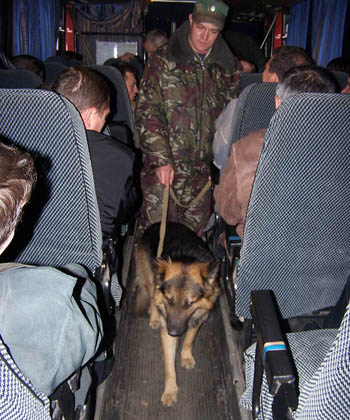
(113, 171)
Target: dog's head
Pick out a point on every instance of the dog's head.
(185, 293)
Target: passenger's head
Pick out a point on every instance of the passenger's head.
(129, 74)
(88, 91)
(28, 62)
(283, 59)
(17, 179)
(247, 66)
(153, 40)
(206, 22)
(339, 64)
(304, 79)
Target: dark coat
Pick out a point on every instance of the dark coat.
(113, 171)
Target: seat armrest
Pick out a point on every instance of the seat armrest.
(275, 356)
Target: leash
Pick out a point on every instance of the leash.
(165, 205)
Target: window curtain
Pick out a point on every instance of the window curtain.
(35, 27)
(298, 24)
(119, 21)
(327, 39)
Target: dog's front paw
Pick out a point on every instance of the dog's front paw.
(154, 323)
(169, 398)
(187, 361)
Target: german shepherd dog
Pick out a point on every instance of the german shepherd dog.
(179, 288)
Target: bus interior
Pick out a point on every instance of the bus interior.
(58, 231)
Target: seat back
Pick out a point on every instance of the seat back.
(121, 108)
(53, 70)
(249, 78)
(326, 395)
(19, 79)
(61, 224)
(297, 233)
(18, 398)
(255, 107)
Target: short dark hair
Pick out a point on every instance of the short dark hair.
(126, 68)
(84, 87)
(286, 57)
(339, 64)
(305, 79)
(31, 63)
(17, 179)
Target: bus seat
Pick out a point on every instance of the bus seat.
(341, 78)
(53, 70)
(254, 109)
(17, 391)
(249, 78)
(61, 224)
(305, 379)
(19, 79)
(297, 232)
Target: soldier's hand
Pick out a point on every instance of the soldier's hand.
(165, 174)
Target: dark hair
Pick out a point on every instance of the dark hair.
(305, 79)
(286, 57)
(126, 68)
(339, 64)
(17, 179)
(84, 87)
(28, 62)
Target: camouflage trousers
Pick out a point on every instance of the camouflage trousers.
(186, 187)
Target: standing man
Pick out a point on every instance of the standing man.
(186, 84)
(153, 40)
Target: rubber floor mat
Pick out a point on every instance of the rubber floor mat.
(134, 389)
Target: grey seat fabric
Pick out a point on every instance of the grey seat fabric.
(249, 78)
(254, 110)
(322, 360)
(53, 70)
(122, 113)
(18, 398)
(61, 223)
(297, 232)
(19, 79)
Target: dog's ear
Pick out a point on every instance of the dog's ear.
(161, 267)
(212, 269)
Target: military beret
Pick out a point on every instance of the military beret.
(211, 11)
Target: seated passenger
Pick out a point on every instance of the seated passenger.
(233, 191)
(283, 59)
(49, 319)
(28, 62)
(112, 161)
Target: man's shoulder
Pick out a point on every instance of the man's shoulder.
(102, 141)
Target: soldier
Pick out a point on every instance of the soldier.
(186, 84)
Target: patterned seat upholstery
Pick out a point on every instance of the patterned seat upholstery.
(61, 223)
(18, 398)
(255, 108)
(297, 233)
(63, 220)
(322, 360)
(297, 242)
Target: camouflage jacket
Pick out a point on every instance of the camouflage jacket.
(179, 100)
